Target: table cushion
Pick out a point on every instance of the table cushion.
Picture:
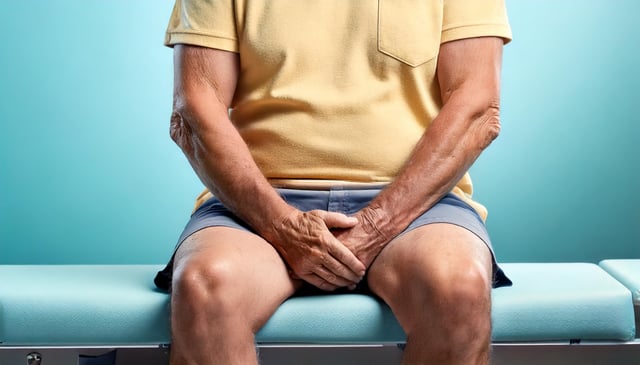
(118, 305)
(627, 272)
(78, 304)
(561, 301)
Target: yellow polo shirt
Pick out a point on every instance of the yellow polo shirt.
(335, 91)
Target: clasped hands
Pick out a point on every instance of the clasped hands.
(327, 249)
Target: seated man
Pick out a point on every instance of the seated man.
(334, 139)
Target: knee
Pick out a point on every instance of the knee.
(201, 283)
(462, 287)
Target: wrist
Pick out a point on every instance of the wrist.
(273, 223)
(376, 222)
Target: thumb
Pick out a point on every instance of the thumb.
(338, 220)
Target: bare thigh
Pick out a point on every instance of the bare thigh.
(239, 270)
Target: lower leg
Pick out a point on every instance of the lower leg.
(206, 337)
(446, 340)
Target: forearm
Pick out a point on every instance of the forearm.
(440, 159)
(469, 77)
(204, 86)
(222, 161)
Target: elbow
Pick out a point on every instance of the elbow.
(478, 111)
(180, 131)
(493, 125)
(487, 124)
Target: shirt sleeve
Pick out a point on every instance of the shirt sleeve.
(475, 18)
(206, 23)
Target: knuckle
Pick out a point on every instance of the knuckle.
(314, 215)
(332, 278)
(323, 258)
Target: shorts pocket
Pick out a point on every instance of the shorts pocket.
(409, 30)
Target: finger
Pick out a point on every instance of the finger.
(319, 282)
(332, 278)
(349, 266)
(344, 264)
(337, 220)
(341, 271)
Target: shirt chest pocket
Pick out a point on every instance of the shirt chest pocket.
(409, 30)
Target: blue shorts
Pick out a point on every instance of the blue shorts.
(450, 209)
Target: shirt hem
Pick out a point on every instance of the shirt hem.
(203, 40)
(476, 30)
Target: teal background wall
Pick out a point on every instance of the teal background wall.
(563, 180)
(88, 173)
